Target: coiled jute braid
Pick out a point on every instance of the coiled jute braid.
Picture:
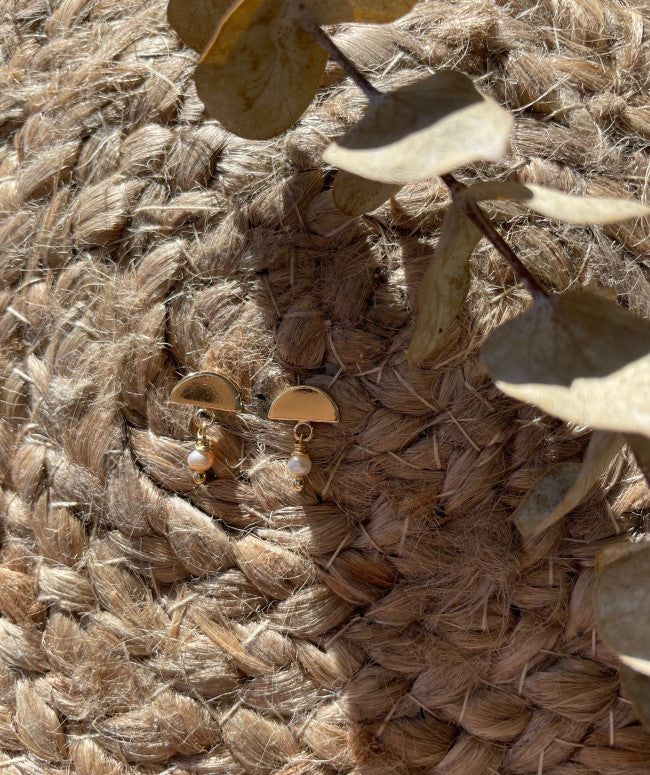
(388, 620)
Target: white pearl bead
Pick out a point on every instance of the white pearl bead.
(200, 460)
(299, 464)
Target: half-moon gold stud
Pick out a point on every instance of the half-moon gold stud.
(303, 404)
(206, 390)
(209, 390)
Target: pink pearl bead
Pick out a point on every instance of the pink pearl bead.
(200, 460)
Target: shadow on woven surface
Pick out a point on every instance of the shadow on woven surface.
(388, 619)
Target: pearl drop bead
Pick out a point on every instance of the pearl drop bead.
(299, 464)
(200, 460)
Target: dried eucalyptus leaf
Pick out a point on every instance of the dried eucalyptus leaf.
(196, 21)
(261, 71)
(445, 284)
(363, 11)
(615, 550)
(637, 687)
(561, 490)
(538, 509)
(563, 207)
(623, 606)
(579, 357)
(355, 196)
(427, 128)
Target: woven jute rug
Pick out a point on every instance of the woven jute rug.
(388, 619)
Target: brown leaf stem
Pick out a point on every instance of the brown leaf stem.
(335, 53)
(468, 203)
(471, 208)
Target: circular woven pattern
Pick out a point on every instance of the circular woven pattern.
(388, 619)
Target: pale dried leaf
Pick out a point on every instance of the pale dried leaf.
(561, 490)
(261, 68)
(579, 357)
(261, 71)
(196, 21)
(363, 11)
(637, 687)
(623, 606)
(354, 195)
(616, 550)
(563, 207)
(427, 128)
(445, 284)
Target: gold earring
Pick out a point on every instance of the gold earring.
(206, 390)
(303, 405)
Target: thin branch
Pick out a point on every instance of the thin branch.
(481, 221)
(335, 53)
(467, 201)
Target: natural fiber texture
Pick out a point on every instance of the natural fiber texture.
(388, 619)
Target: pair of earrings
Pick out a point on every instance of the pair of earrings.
(210, 391)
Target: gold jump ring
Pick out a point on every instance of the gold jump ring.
(299, 436)
(204, 418)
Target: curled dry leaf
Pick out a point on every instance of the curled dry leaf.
(561, 490)
(637, 687)
(563, 207)
(355, 196)
(262, 68)
(427, 128)
(623, 606)
(579, 357)
(261, 71)
(196, 21)
(445, 284)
